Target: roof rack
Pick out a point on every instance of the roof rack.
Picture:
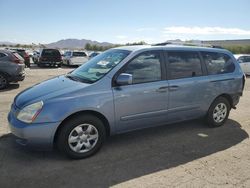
(187, 44)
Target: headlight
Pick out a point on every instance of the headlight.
(29, 113)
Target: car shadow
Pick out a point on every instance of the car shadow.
(11, 86)
(123, 157)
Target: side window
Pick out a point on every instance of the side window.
(218, 63)
(145, 68)
(184, 65)
(2, 55)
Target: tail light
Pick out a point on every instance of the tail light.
(16, 60)
(26, 55)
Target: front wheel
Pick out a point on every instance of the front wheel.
(81, 136)
(218, 112)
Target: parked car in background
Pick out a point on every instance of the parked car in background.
(35, 56)
(11, 68)
(93, 54)
(125, 89)
(50, 57)
(75, 58)
(244, 61)
(24, 55)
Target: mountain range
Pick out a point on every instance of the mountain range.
(75, 43)
(67, 43)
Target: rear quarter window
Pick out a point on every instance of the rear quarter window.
(218, 63)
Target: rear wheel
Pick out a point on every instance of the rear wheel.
(218, 112)
(81, 136)
(3, 81)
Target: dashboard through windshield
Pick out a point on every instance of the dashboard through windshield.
(99, 66)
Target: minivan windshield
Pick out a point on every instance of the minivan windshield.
(99, 66)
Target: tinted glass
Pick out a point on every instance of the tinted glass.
(2, 55)
(79, 54)
(218, 63)
(51, 52)
(145, 68)
(17, 55)
(184, 64)
(99, 66)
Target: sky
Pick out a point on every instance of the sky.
(122, 21)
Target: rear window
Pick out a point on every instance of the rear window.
(17, 55)
(51, 52)
(218, 63)
(244, 59)
(20, 51)
(79, 54)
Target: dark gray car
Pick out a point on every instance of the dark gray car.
(11, 68)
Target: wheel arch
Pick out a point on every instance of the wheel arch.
(84, 112)
(228, 97)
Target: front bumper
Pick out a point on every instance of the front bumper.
(37, 135)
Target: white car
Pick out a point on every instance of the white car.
(244, 61)
(75, 58)
(35, 56)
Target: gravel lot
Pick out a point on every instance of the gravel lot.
(179, 155)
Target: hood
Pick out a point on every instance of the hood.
(48, 89)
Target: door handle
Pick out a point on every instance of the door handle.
(173, 88)
(162, 89)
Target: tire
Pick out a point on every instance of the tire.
(3, 81)
(218, 112)
(76, 137)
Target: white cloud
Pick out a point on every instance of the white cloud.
(206, 31)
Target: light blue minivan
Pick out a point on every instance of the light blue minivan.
(124, 89)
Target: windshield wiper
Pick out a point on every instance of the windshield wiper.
(78, 79)
(72, 77)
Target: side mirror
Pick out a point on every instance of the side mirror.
(124, 79)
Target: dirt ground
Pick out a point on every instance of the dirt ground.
(178, 155)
